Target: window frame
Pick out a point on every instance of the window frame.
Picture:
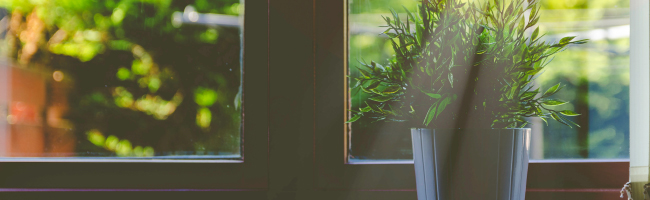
(292, 149)
(246, 174)
(576, 178)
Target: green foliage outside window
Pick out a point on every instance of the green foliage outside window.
(137, 80)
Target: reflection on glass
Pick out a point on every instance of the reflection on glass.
(595, 75)
(120, 78)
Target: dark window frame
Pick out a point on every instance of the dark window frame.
(294, 132)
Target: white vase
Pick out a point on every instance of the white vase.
(461, 164)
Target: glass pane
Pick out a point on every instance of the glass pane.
(594, 76)
(596, 79)
(121, 78)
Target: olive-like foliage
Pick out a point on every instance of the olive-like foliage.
(463, 65)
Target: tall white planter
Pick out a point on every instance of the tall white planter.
(463, 164)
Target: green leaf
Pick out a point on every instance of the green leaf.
(450, 76)
(430, 114)
(372, 85)
(443, 105)
(381, 98)
(551, 91)
(569, 113)
(558, 119)
(418, 32)
(566, 40)
(551, 102)
(580, 41)
(533, 22)
(366, 90)
(366, 109)
(378, 67)
(523, 125)
(521, 24)
(387, 19)
(527, 95)
(375, 108)
(510, 8)
(535, 33)
(432, 95)
(354, 119)
(391, 89)
(567, 120)
(409, 13)
(533, 12)
(375, 91)
(368, 68)
(354, 111)
(364, 73)
(544, 119)
(390, 35)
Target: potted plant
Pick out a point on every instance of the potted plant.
(462, 78)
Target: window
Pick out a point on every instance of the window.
(294, 140)
(595, 77)
(123, 79)
(599, 90)
(139, 63)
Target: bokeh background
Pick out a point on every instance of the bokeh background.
(120, 78)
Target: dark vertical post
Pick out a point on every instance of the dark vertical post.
(291, 85)
(256, 94)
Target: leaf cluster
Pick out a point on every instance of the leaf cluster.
(462, 62)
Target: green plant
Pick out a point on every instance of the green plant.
(462, 65)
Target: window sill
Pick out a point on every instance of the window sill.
(410, 162)
(157, 159)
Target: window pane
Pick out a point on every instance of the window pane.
(121, 78)
(594, 76)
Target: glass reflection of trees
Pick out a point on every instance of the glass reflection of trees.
(138, 83)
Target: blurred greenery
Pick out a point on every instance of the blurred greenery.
(596, 76)
(120, 147)
(131, 72)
